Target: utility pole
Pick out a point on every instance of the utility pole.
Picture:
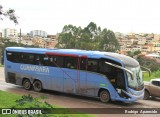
(20, 36)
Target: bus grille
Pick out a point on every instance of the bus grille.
(12, 77)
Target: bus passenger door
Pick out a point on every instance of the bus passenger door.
(89, 77)
(70, 74)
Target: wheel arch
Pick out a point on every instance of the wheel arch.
(102, 89)
(26, 85)
(24, 79)
(38, 80)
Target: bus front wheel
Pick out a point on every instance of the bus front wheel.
(27, 84)
(37, 86)
(104, 96)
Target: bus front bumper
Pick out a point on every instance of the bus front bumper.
(131, 98)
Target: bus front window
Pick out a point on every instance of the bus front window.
(136, 82)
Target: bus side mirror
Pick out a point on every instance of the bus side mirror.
(147, 70)
(132, 77)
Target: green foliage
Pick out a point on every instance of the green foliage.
(155, 74)
(145, 35)
(43, 97)
(132, 54)
(150, 63)
(146, 76)
(88, 38)
(24, 100)
(27, 101)
(7, 100)
(10, 100)
(136, 52)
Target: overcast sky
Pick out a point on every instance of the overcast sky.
(117, 15)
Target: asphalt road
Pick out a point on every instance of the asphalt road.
(72, 101)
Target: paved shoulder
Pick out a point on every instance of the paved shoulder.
(1, 73)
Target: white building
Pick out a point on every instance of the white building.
(38, 33)
(6, 33)
(154, 55)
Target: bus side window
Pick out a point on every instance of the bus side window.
(9, 56)
(92, 65)
(59, 61)
(104, 68)
(51, 61)
(70, 63)
(27, 58)
(13, 57)
(39, 59)
(56, 61)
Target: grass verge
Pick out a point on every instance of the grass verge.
(10, 100)
(155, 74)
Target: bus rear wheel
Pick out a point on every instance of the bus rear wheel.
(37, 86)
(104, 96)
(27, 84)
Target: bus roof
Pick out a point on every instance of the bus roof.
(127, 61)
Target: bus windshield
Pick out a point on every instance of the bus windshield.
(136, 82)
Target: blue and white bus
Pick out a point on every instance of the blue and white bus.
(105, 75)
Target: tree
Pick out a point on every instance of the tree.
(108, 41)
(133, 54)
(129, 53)
(5, 42)
(69, 36)
(89, 38)
(148, 62)
(137, 52)
(8, 13)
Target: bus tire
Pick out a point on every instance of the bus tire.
(104, 96)
(37, 86)
(146, 95)
(27, 84)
